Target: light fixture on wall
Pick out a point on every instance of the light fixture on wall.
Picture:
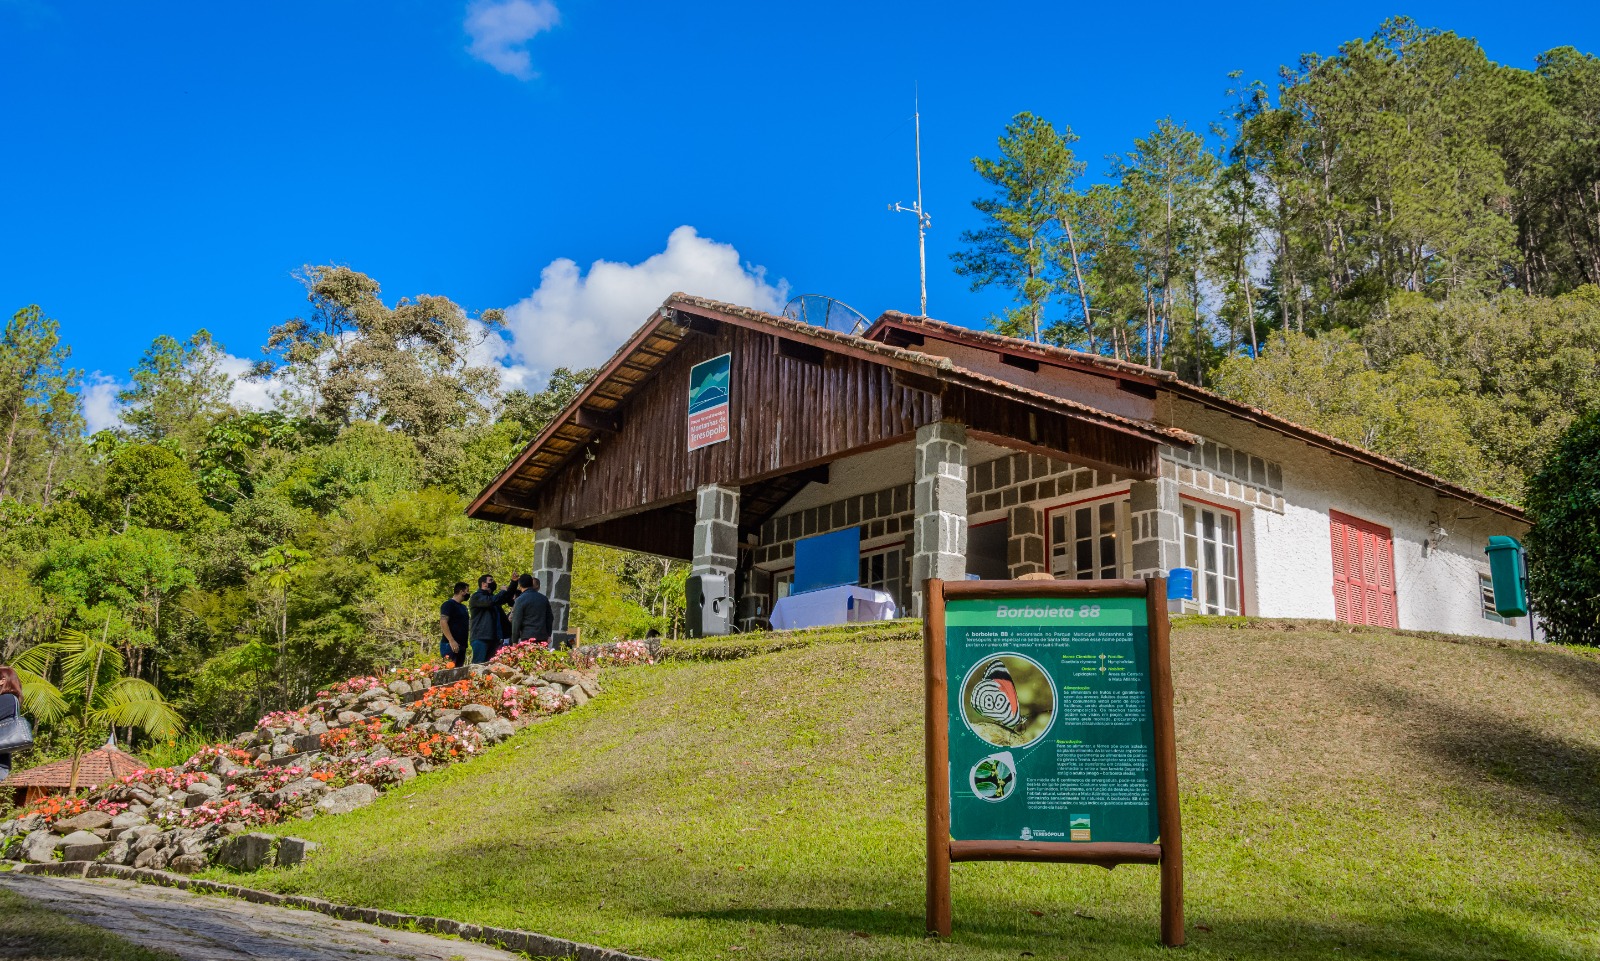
(1436, 534)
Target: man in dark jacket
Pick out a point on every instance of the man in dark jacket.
(530, 616)
(485, 605)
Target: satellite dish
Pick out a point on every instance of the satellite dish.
(827, 313)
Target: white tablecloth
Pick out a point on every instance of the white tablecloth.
(832, 605)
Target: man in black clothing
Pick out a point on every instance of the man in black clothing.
(530, 616)
(485, 606)
(454, 623)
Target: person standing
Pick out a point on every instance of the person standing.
(530, 616)
(10, 707)
(485, 606)
(455, 621)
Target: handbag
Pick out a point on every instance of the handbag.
(16, 734)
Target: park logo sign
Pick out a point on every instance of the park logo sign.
(710, 384)
(1050, 731)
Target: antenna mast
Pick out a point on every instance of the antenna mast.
(923, 220)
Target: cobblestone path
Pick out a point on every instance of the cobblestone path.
(199, 927)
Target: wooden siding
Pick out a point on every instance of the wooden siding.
(785, 414)
(1020, 426)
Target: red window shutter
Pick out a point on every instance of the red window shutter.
(1363, 572)
(1341, 571)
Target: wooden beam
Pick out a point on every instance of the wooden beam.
(590, 419)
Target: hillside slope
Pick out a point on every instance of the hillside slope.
(1347, 792)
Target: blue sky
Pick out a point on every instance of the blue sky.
(168, 166)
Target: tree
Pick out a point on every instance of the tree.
(93, 697)
(179, 390)
(37, 406)
(1018, 246)
(1564, 539)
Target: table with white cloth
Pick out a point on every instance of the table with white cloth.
(832, 605)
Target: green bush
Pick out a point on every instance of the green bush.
(1564, 542)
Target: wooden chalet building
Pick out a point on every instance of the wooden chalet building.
(957, 451)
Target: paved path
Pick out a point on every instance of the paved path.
(200, 927)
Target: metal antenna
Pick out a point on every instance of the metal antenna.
(923, 220)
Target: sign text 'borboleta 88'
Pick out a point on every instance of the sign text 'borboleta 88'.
(1050, 732)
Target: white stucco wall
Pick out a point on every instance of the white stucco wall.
(1289, 556)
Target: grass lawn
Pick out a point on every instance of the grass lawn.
(1349, 793)
(30, 932)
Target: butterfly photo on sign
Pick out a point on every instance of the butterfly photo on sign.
(1008, 700)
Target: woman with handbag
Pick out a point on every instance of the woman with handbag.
(15, 734)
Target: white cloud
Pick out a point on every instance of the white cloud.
(100, 408)
(500, 29)
(248, 394)
(576, 320)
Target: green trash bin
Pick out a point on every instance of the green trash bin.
(1508, 573)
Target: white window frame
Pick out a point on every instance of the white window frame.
(1061, 553)
(1486, 602)
(1211, 582)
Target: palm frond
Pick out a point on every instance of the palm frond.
(85, 656)
(40, 698)
(36, 659)
(131, 702)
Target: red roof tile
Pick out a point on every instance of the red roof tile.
(94, 769)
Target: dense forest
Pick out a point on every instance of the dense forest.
(1398, 244)
(241, 559)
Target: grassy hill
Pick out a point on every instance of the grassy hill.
(1348, 793)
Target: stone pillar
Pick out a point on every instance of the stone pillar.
(716, 531)
(552, 565)
(1154, 515)
(939, 500)
(1025, 542)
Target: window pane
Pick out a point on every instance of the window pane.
(1108, 552)
(1208, 523)
(1084, 518)
(1085, 558)
(1231, 596)
(1211, 592)
(1108, 518)
(1227, 560)
(1210, 556)
(1191, 552)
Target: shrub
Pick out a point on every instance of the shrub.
(1564, 541)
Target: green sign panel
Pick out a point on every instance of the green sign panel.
(1051, 729)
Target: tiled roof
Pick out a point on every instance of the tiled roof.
(94, 769)
(1169, 381)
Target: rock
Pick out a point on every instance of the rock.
(87, 821)
(404, 769)
(498, 729)
(246, 852)
(200, 792)
(379, 753)
(40, 847)
(564, 678)
(234, 827)
(80, 837)
(127, 819)
(188, 864)
(399, 687)
(147, 843)
(579, 696)
(153, 858)
(140, 831)
(292, 851)
(117, 853)
(192, 845)
(349, 717)
(347, 799)
(318, 728)
(84, 852)
(477, 713)
(306, 787)
(143, 797)
(402, 718)
(590, 686)
(282, 748)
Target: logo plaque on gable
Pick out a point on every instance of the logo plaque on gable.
(709, 385)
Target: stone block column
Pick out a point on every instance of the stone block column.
(1155, 516)
(1025, 541)
(716, 533)
(552, 565)
(939, 503)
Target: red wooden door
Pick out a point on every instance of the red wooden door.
(1363, 572)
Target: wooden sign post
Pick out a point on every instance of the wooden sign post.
(1049, 731)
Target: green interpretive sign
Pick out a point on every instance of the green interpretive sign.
(1051, 727)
